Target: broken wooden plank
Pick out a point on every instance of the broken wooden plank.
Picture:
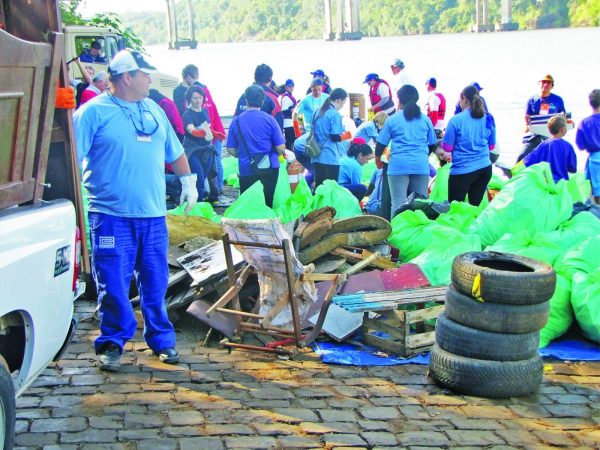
(362, 264)
(380, 262)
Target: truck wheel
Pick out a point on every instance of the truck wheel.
(492, 379)
(465, 341)
(495, 317)
(7, 407)
(503, 278)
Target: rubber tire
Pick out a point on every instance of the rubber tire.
(7, 405)
(495, 317)
(491, 379)
(472, 343)
(504, 278)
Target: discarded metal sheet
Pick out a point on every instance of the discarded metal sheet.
(224, 323)
(339, 323)
(208, 262)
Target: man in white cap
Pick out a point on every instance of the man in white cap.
(123, 142)
(401, 76)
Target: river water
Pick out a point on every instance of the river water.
(507, 65)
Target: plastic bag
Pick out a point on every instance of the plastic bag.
(250, 205)
(332, 194)
(367, 172)
(439, 190)
(230, 171)
(523, 243)
(298, 204)
(530, 201)
(579, 188)
(445, 244)
(408, 233)
(202, 209)
(561, 312)
(459, 217)
(282, 189)
(585, 258)
(585, 299)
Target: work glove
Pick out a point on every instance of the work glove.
(206, 127)
(65, 98)
(346, 135)
(297, 130)
(378, 162)
(290, 156)
(198, 133)
(189, 193)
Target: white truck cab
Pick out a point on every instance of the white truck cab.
(79, 38)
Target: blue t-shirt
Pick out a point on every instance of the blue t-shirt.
(350, 172)
(588, 134)
(374, 202)
(367, 131)
(124, 173)
(326, 125)
(410, 140)
(552, 104)
(469, 139)
(308, 107)
(260, 132)
(559, 154)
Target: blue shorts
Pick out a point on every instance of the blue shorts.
(125, 247)
(592, 172)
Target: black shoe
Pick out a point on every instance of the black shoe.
(168, 355)
(110, 357)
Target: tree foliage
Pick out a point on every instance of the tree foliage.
(241, 20)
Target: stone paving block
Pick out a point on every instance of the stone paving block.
(476, 424)
(179, 418)
(352, 391)
(425, 438)
(58, 425)
(297, 415)
(87, 380)
(36, 440)
(518, 437)
(379, 412)
(59, 447)
(402, 425)
(134, 421)
(221, 430)
(272, 394)
(275, 429)
(529, 411)
(122, 410)
(157, 387)
(157, 444)
(296, 442)
(204, 443)
(414, 412)
(379, 438)
(21, 426)
(74, 390)
(129, 388)
(313, 392)
(138, 434)
(317, 428)
(106, 422)
(89, 436)
(76, 411)
(337, 440)
(395, 401)
(558, 438)
(253, 442)
(344, 402)
(32, 413)
(26, 401)
(589, 437)
(49, 381)
(473, 437)
(337, 415)
(445, 412)
(569, 410)
(185, 431)
(374, 425)
(487, 412)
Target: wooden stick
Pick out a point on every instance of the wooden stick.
(362, 264)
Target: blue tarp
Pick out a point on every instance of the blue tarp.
(347, 354)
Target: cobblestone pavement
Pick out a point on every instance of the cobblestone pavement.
(215, 400)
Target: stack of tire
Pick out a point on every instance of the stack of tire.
(488, 335)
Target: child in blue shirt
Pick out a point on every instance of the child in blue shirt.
(555, 151)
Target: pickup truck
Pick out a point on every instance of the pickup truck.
(41, 263)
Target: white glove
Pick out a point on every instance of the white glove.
(290, 156)
(189, 192)
(206, 127)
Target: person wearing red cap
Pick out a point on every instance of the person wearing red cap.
(359, 153)
(540, 104)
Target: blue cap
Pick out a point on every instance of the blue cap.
(476, 84)
(318, 73)
(371, 76)
(316, 82)
(289, 82)
(432, 82)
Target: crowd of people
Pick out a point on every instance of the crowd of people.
(129, 135)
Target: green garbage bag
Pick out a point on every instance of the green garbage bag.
(585, 299)
(496, 183)
(250, 205)
(459, 217)
(230, 170)
(439, 190)
(445, 244)
(522, 243)
(585, 258)
(530, 201)
(579, 188)
(367, 172)
(233, 180)
(202, 209)
(297, 204)
(408, 233)
(561, 312)
(332, 194)
(282, 189)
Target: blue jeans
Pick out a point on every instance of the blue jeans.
(202, 164)
(219, 146)
(122, 247)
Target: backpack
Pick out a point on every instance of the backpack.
(313, 149)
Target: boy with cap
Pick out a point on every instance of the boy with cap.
(540, 104)
(436, 105)
(555, 151)
(123, 141)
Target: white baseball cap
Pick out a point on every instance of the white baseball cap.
(128, 61)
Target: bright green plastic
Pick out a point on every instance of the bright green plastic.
(250, 205)
(585, 258)
(561, 312)
(230, 171)
(202, 209)
(332, 194)
(297, 204)
(459, 216)
(408, 233)
(367, 172)
(579, 188)
(585, 299)
(439, 190)
(530, 201)
(282, 189)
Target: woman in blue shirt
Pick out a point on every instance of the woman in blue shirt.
(411, 135)
(351, 168)
(470, 136)
(329, 133)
